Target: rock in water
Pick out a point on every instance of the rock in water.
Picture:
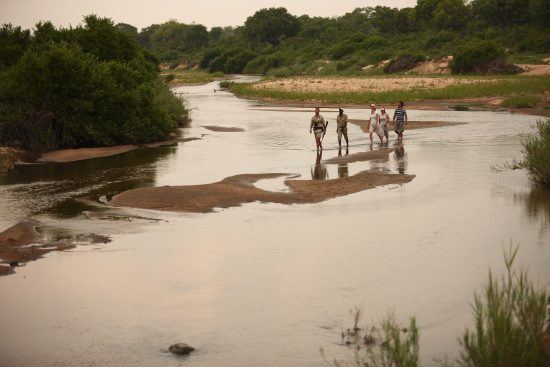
(181, 349)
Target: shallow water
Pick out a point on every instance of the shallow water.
(268, 284)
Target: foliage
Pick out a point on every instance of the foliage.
(477, 56)
(435, 28)
(271, 25)
(13, 44)
(537, 153)
(85, 86)
(509, 322)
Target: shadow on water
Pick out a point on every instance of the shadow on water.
(63, 189)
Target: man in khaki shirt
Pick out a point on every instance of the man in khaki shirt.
(319, 127)
(342, 127)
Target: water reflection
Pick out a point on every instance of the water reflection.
(401, 158)
(537, 206)
(343, 169)
(319, 170)
(59, 189)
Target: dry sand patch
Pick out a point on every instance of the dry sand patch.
(374, 85)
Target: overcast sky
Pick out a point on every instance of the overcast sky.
(141, 14)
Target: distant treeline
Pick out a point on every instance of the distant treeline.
(92, 85)
(272, 41)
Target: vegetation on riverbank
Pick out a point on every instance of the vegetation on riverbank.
(511, 327)
(475, 87)
(92, 85)
(177, 76)
(483, 34)
(537, 153)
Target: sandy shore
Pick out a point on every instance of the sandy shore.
(236, 190)
(373, 84)
(28, 241)
(224, 129)
(73, 155)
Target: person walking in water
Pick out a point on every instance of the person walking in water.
(319, 128)
(342, 127)
(384, 121)
(400, 120)
(374, 123)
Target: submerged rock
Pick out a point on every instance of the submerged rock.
(181, 349)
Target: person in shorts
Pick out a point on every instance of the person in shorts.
(384, 122)
(400, 119)
(319, 128)
(342, 127)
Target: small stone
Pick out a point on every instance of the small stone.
(13, 264)
(181, 348)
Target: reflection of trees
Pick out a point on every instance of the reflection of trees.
(58, 188)
(537, 206)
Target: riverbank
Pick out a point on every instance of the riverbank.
(428, 93)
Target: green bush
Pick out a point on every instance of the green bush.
(537, 153)
(58, 95)
(480, 57)
(509, 322)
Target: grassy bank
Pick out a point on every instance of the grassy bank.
(484, 87)
(175, 77)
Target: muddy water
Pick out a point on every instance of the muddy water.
(268, 284)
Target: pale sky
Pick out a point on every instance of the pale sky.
(27, 13)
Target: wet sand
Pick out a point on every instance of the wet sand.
(362, 156)
(28, 241)
(73, 155)
(224, 129)
(236, 190)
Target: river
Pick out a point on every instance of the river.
(269, 284)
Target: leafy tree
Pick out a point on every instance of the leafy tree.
(271, 25)
(13, 43)
(128, 29)
(450, 14)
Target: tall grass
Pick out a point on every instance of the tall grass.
(486, 87)
(386, 345)
(521, 101)
(509, 320)
(537, 153)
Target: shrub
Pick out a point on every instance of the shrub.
(403, 63)
(537, 153)
(480, 57)
(64, 97)
(509, 322)
(236, 64)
